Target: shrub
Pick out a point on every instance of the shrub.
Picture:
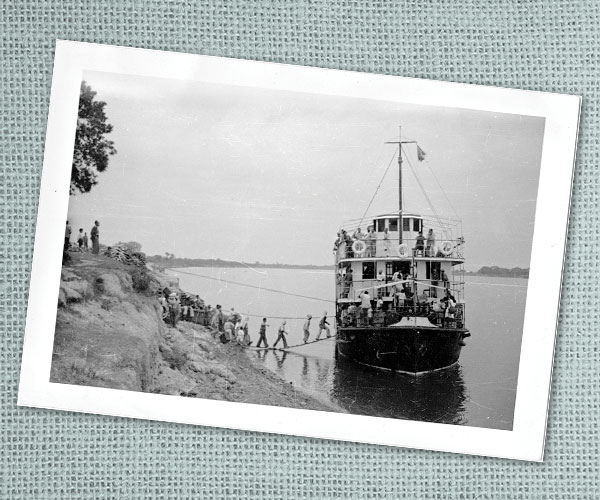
(141, 279)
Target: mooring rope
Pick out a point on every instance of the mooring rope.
(251, 286)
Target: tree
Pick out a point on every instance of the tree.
(92, 148)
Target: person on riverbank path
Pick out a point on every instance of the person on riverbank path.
(95, 235)
(306, 328)
(262, 332)
(67, 236)
(85, 242)
(174, 309)
(323, 326)
(80, 239)
(281, 335)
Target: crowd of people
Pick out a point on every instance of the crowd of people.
(370, 311)
(231, 326)
(82, 238)
(424, 246)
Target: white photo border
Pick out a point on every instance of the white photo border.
(524, 442)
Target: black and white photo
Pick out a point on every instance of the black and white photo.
(298, 250)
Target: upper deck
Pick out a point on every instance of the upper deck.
(380, 239)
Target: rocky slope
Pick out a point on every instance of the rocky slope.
(109, 333)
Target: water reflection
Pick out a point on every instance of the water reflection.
(436, 397)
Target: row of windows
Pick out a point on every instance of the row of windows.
(393, 224)
(368, 269)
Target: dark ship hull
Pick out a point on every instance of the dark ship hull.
(407, 349)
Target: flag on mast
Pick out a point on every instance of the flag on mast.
(420, 153)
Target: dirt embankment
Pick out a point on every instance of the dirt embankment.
(109, 333)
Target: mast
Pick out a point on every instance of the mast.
(400, 224)
(400, 208)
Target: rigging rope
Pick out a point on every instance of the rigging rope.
(441, 188)
(377, 190)
(251, 286)
(423, 190)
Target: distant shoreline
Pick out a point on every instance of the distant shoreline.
(180, 263)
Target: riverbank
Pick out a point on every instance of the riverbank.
(110, 333)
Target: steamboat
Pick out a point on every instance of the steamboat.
(399, 288)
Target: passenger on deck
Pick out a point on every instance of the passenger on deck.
(444, 277)
(396, 278)
(430, 243)
(420, 245)
(434, 282)
(306, 328)
(281, 335)
(348, 241)
(380, 282)
(358, 235)
(386, 242)
(347, 283)
(365, 305)
(337, 242)
(352, 310)
(323, 326)
(262, 332)
(399, 299)
(371, 240)
(422, 303)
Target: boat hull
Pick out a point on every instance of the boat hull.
(402, 348)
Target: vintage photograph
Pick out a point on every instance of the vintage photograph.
(287, 249)
(301, 251)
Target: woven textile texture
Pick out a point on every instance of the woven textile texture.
(540, 45)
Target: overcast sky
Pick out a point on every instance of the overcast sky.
(211, 171)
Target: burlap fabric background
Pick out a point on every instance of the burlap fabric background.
(541, 45)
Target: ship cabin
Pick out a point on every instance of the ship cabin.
(410, 272)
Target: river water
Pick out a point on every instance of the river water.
(479, 391)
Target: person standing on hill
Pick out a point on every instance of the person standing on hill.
(85, 242)
(95, 235)
(262, 332)
(67, 236)
(174, 309)
(80, 239)
(306, 328)
(281, 335)
(323, 326)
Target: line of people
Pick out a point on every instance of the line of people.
(230, 327)
(282, 331)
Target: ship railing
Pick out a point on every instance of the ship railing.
(452, 317)
(432, 288)
(410, 247)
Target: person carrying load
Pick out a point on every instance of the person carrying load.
(323, 326)
(281, 336)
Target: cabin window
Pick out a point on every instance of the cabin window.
(405, 224)
(368, 270)
(393, 224)
(380, 224)
(416, 225)
(396, 266)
